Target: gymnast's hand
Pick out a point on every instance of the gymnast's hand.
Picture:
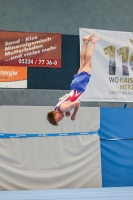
(73, 117)
(68, 114)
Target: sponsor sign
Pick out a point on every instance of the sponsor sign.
(30, 49)
(112, 67)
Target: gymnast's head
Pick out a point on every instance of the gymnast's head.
(54, 117)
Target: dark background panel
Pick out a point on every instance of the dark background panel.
(58, 78)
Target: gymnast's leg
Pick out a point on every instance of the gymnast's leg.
(88, 57)
(83, 51)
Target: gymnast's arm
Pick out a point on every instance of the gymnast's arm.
(68, 114)
(68, 105)
(73, 117)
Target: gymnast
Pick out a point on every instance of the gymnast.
(78, 85)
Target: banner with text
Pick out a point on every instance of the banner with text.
(112, 67)
(13, 77)
(30, 49)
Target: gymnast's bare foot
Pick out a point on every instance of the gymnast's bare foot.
(95, 39)
(87, 38)
(131, 41)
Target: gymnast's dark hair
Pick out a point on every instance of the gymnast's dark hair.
(51, 119)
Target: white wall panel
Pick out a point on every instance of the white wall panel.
(32, 119)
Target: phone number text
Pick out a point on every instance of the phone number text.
(38, 62)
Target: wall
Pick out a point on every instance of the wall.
(63, 17)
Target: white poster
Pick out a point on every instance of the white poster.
(112, 67)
